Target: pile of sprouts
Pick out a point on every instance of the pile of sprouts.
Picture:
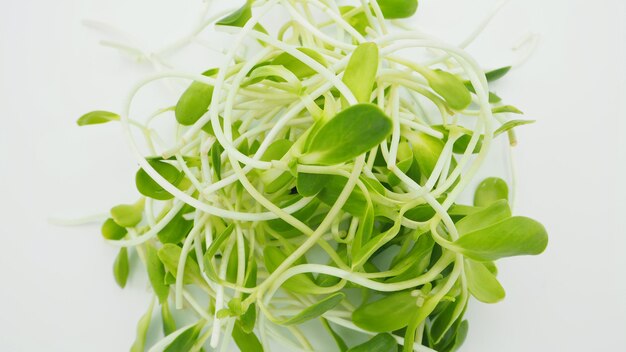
(308, 193)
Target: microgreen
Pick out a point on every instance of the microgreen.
(121, 267)
(97, 117)
(315, 177)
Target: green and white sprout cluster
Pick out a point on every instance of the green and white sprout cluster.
(314, 179)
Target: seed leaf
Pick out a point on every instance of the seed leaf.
(393, 9)
(128, 215)
(112, 231)
(514, 236)
(97, 117)
(509, 125)
(169, 324)
(388, 314)
(360, 74)
(142, 330)
(426, 150)
(378, 343)
(358, 21)
(150, 188)
(186, 340)
(493, 214)
(247, 342)
(121, 267)
(300, 283)
(195, 101)
(498, 73)
(315, 310)
(352, 132)
(482, 283)
(239, 18)
(450, 87)
(491, 190)
(156, 273)
(297, 67)
(178, 228)
(506, 108)
(169, 255)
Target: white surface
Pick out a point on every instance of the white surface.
(57, 291)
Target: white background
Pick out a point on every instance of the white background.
(56, 288)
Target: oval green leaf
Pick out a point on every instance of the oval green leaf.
(360, 74)
(394, 9)
(128, 215)
(156, 273)
(352, 132)
(315, 310)
(97, 117)
(112, 231)
(514, 236)
(121, 267)
(142, 330)
(490, 190)
(378, 343)
(450, 87)
(482, 284)
(150, 188)
(391, 313)
(195, 101)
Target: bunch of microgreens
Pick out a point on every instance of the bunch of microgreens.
(315, 179)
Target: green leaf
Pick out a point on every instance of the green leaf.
(360, 73)
(156, 273)
(509, 125)
(309, 185)
(287, 230)
(216, 159)
(445, 320)
(341, 344)
(426, 150)
(394, 9)
(450, 87)
(128, 215)
(142, 330)
(493, 97)
(491, 190)
(195, 101)
(352, 132)
(238, 18)
(178, 228)
(121, 267)
(212, 250)
(277, 150)
(482, 284)
(493, 214)
(378, 343)
(297, 67)
(112, 231)
(186, 340)
(315, 310)
(358, 21)
(506, 108)
(375, 243)
(247, 342)
(393, 312)
(170, 254)
(300, 283)
(150, 188)
(169, 324)
(357, 202)
(498, 73)
(97, 117)
(514, 236)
